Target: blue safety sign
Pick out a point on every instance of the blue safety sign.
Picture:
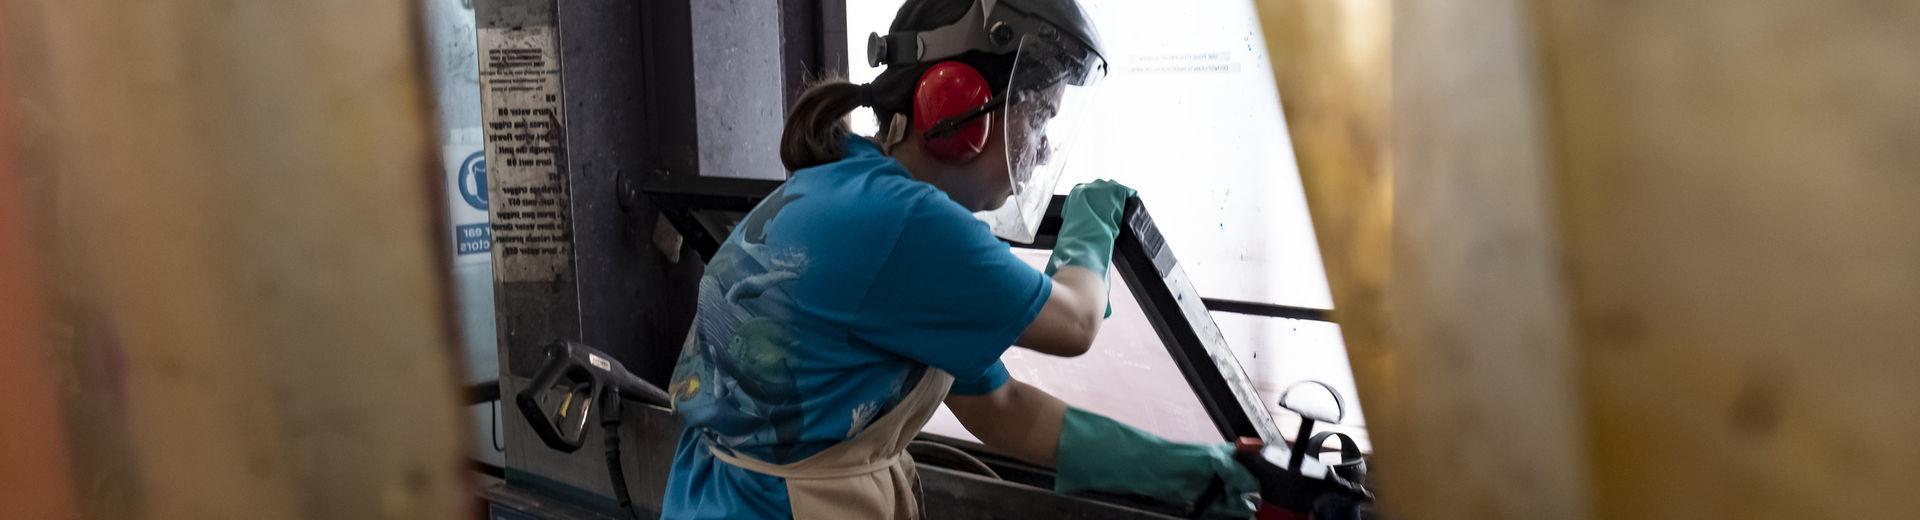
(472, 239)
(473, 180)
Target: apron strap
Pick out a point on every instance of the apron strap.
(873, 449)
(790, 472)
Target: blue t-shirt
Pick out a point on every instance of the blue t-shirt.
(818, 314)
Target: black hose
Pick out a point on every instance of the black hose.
(610, 421)
(956, 455)
(484, 391)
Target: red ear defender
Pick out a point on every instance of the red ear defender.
(950, 89)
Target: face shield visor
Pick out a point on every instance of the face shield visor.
(1051, 102)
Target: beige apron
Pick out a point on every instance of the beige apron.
(867, 476)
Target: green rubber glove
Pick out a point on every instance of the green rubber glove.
(1100, 454)
(1089, 223)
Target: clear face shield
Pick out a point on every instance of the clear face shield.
(1051, 103)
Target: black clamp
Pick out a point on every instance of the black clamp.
(892, 49)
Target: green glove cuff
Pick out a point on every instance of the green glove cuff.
(1100, 454)
(1089, 223)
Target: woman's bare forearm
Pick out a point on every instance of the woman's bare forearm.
(1017, 419)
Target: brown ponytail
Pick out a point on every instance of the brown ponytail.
(817, 127)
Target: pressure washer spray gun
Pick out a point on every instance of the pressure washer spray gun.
(574, 381)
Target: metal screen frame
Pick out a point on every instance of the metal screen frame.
(1173, 307)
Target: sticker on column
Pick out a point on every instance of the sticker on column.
(525, 160)
(467, 200)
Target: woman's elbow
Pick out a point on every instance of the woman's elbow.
(1068, 323)
(1062, 339)
(1079, 339)
(1073, 350)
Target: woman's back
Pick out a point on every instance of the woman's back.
(822, 309)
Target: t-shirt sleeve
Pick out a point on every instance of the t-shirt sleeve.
(988, 381)
(949, 294)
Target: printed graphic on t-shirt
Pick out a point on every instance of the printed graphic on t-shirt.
(736, 376)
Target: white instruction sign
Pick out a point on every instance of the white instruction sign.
(525, 132)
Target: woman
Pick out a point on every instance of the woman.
(863, 293)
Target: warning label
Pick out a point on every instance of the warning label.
(525, 133)
(467, 196)
(472, 239)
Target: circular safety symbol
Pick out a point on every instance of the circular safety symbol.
(473, 180)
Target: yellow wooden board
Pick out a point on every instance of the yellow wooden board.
(251, 282)
(1620, 259)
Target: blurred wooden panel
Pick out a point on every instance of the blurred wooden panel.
(1330, 61)
(1645, 260)
(35, 478)
(243, 222)
(1478, 292)
(1740, 189)
(1439, 248)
